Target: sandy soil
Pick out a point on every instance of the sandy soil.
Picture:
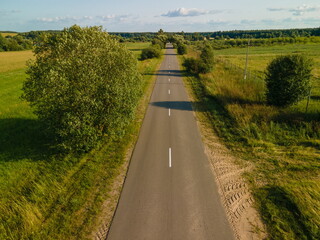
(110, 204)
(234, 192)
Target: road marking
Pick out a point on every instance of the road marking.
(169, 79)
(169, 112)
(170, 158)
(169, 92)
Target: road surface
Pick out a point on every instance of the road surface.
(170, 192)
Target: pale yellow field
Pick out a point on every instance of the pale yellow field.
(10, 61)
(8, 34)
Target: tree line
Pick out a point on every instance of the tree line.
(221, 39)
(230, 43)
(279, 33)
(15, 43)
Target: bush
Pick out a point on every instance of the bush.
(207, 57)
(288, 80)
(153, 51)
(83, 85)
(181, 49)
(194, 66)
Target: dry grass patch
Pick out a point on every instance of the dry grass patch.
(10, 61)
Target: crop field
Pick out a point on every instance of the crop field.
(11, 61)
(4, 34)
(282, 146)
(45, 195)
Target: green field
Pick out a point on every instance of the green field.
(45, 195)
(281, 145)
(259, 57)
(137, 47)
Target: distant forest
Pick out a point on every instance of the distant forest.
(236, 34)
(236, 38)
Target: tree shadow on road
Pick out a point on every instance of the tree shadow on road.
(179, 105)
(168, 73)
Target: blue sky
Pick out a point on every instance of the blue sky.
(170, 15)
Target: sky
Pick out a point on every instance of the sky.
(150, 16)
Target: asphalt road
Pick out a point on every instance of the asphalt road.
(170, 191)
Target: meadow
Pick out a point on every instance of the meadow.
(260, 57)
(46, 195)
(281, 145)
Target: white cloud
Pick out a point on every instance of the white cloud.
(303, 9)
(188, 12)
(115, 18)
(276, 9)
(284, 23)
(298, 11)
(64, 19)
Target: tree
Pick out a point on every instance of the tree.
(181, 49)
(3, 43)
(83, 85)
(157, 41)
(207, 58)
(288, 80)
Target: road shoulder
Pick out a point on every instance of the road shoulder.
(227, 169)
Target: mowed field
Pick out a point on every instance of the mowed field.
(279, 149)
(45, 195)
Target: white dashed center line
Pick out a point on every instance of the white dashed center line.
(170, 158)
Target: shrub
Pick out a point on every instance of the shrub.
(288, 80)
(207, 57)
(181, 49)
(83, 85)
(194, 66)
(153, 51)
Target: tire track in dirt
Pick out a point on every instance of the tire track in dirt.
(234, 192)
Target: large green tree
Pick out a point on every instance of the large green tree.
(83, 85)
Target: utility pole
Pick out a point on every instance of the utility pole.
(246, 67)
(308, 100)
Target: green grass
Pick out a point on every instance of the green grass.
(136, 48)
(259, 57)
(45, 195)
(282, 145)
